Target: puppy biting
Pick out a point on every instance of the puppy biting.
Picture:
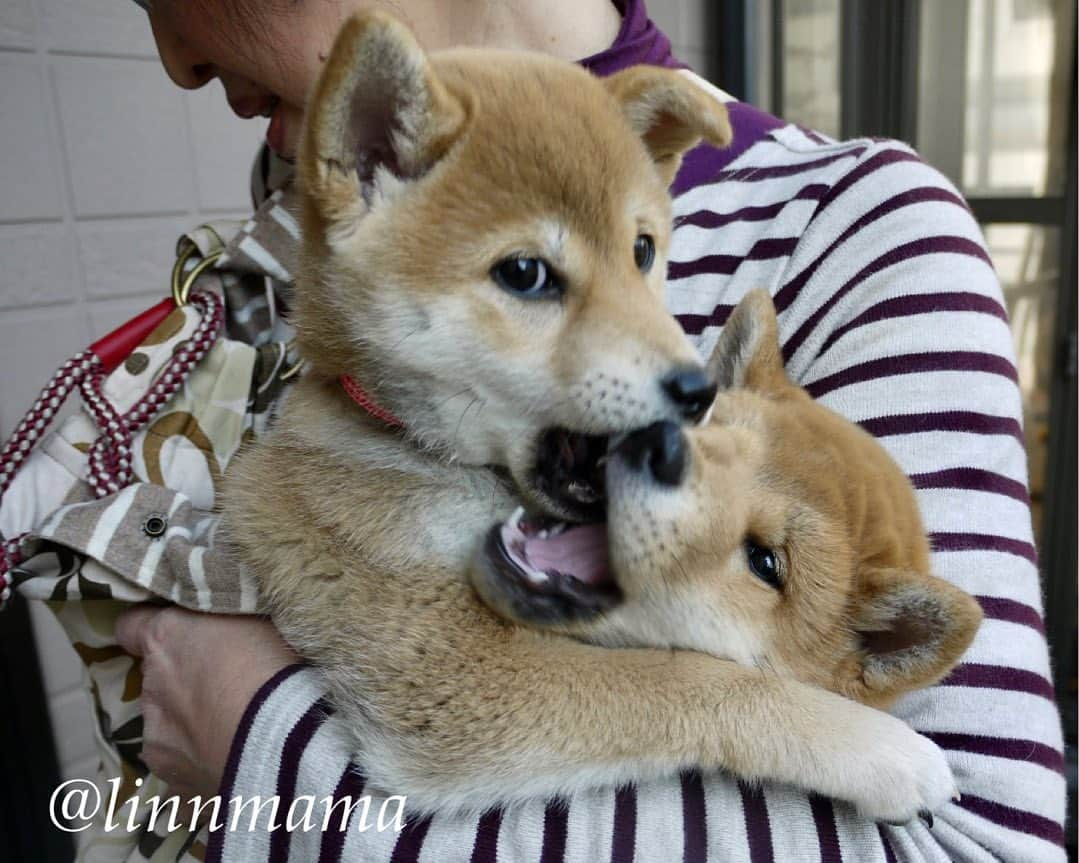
(484, 247)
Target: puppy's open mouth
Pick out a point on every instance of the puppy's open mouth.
(555, 570)
(569, 472)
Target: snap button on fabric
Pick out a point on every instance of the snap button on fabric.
(155, 525)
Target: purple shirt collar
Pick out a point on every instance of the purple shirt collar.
(639, 41)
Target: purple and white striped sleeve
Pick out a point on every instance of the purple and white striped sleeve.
(286, 746)
(892, 315)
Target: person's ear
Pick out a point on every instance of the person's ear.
(670, 112)
(911, 629)
(748, 352)
(378, 115)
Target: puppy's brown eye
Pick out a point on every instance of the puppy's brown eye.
(644, 252)
(763, 563)
(531, 278)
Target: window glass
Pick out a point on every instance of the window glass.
(811, 64)
(993, 83)
(1027, 259)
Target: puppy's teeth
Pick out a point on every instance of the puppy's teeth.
(537, 577)
(581, 492)
(602, 460)
(543, 534)
(515, 519)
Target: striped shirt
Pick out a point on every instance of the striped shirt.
(890, 313)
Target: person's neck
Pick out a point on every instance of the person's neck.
(569, 29)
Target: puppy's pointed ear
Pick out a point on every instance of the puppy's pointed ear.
(912, 629)
(377, 112)
(748, 353)
(670, 112)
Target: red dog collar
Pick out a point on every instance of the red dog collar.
(359, 395)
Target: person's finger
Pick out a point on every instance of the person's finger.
(132, 627)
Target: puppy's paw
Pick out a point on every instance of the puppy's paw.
(903, 776)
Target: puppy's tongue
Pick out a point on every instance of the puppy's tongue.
(579, 551)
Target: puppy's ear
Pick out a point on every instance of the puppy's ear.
(378, 113)
(748, 353)
(670, 112)
(912, 629)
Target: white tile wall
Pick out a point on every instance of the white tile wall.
(108, 260)
(38, 266)
(102, 164)
(94, 27)
(125, 136)
(30, 171)
(16, 24)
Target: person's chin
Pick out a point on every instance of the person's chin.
(280, 134)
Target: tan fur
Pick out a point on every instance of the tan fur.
(418, 175)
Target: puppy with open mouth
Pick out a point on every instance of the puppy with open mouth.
(511, 355)
(775, 533)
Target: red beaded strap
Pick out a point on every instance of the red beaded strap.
(110, 463)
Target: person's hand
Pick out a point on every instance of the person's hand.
(199, 673)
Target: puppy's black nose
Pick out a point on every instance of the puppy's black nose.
(659, 449)
(691, 390)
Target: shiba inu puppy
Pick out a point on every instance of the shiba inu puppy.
(485, 240)
(778, 534)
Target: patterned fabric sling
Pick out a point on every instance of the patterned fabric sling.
(89, 551)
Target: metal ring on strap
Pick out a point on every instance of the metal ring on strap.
(178, 268)
(181, 290)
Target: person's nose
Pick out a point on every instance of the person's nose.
(185, 65)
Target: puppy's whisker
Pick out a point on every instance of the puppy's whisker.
(539, 406)
(450, 398)
(681, 568)
(406, 337)
(461, 419)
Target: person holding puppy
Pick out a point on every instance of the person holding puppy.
(889, 313)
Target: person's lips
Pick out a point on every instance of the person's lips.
(246, 108)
